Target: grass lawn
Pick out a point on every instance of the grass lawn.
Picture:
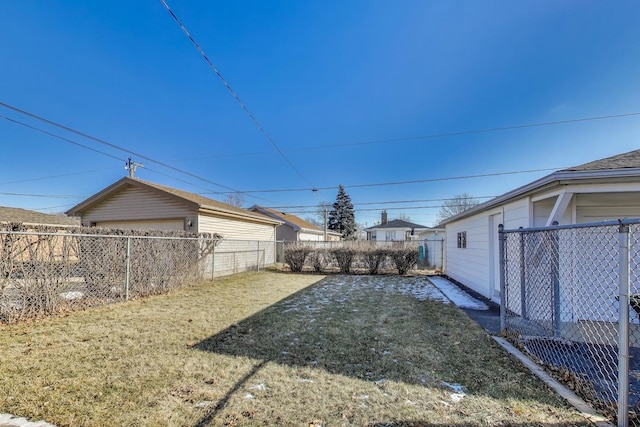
(271, 349)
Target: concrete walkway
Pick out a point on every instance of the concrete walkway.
(489, 318)
(7, 420)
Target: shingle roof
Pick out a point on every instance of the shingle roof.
(398, 223)
(293, 220)
(25, 216)
(621, 166)
(619, 161)
(200, 201)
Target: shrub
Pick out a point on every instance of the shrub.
(295, 255)
(344, 257)
(404, 259)
(319, 260)
(373, 258)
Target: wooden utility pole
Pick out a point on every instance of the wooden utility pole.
(131, 166)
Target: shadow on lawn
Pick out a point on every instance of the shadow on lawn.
(337, 325)
(424, 424)
(352, 326)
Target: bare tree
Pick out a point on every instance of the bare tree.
(403, 216)
(235, 199)
(456, 205)
(319, 214)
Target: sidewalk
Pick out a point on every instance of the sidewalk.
(484, 311)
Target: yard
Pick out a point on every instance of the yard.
(272, 349)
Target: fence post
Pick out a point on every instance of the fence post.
(213, 262)
(258, 257)
(128, 269)
(623, 326)
(523, 289)
(503, 266)
(442, 254)
(555, 278)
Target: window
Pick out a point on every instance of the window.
(389, 235)
(462, 240)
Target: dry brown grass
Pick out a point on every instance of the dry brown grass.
(270, 349)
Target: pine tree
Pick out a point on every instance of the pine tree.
(342, 216)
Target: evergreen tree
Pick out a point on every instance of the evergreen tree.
(342, 216)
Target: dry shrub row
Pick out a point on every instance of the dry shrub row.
(298, 255)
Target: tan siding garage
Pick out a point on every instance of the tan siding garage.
(173, 225)
(235, 229)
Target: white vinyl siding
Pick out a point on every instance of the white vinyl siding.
(597, 207)
(309, 236)
(133, 204)
(472, 265)
(232, 229)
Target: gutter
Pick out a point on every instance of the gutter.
(559, 177)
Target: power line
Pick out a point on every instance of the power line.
(435, 135)
(88, 148)
(51, 196)
(476, 131)
(387, 202)
(53, 207)
(101, 141)
(58, 137)
(376, 209)
(53, 176)
(415, 181)
(233, 93)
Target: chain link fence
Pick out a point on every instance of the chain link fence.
(570, 296)
(43, 272)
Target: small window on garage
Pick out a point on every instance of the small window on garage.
(462, 240)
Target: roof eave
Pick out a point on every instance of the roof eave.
(554, 179)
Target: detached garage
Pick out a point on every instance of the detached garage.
(605, 189)
(134, 204)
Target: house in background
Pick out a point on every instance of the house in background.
(606, 189)
(395, 230)
(296, 229)
(31, 218)
(134, 204)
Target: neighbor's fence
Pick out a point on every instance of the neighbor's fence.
(571, 300)
(320, 256)
(46, 272)
(431, 251)
(434, 253)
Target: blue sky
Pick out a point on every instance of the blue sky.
(348, 91)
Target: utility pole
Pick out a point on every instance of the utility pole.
(131, 167)
(325, 224)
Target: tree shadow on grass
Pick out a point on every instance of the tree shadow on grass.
(372, 329)
(340, 325)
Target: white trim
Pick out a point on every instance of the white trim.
(559, 208)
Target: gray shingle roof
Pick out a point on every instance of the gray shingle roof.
(619, 161)
(398, 223)
(25, 216)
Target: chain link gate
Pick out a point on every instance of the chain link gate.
(571, 301)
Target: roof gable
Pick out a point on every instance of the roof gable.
(25, 216)
(295, 222)
(398, 223)
(193, 201)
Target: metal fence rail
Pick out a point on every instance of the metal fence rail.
(42, 273)
(569, 295)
